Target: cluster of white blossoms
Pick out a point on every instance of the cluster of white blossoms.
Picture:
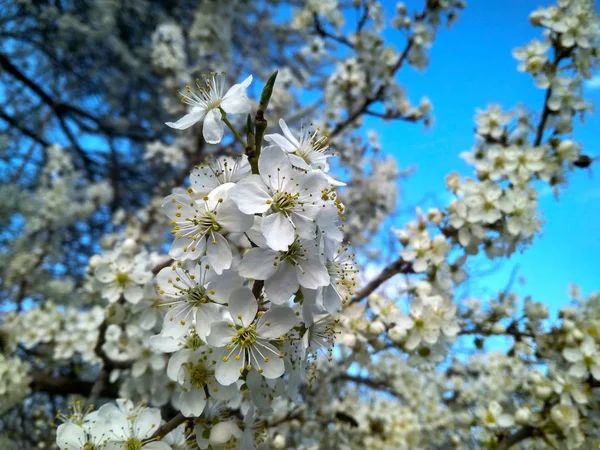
(65, 331)
(223, 337)
(118, 426)
(259, 273)
(14, 381)
(56, 203)
(258, 262)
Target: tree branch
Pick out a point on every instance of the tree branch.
(397, 267)
(169, 426)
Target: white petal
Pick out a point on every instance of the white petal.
(146, 423)
(235, 100)
(275, 168)
(188, 120)
(276, 322)
(312, 274)
(251, 196)
(232, 219)
(105, 273)
(220, 334)
(165, 344)
(282, 285)
(274, 367)
(243, 306)
(133, 293)
(280, 141)
(192, 403)
(70, 436)
(258, 264)
(212, 129)
(111, 292)
(278, 231)
(288, 134)
(219, 253)
(175, 363)
(299, 162)
(228, 372)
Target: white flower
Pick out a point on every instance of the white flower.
(247, 338)
(194, 371)
(200, 226)
(493, 417)
(222, 170)
(178, 438)
(288, 199)
(72, 436)
(584, 360)
(193, 294)
(342, 279)
(307, 151)
(207, 103)
(130, 427)
(122, 274)
(491, 122)
(286, 271)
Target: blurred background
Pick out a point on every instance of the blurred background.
(87, 86)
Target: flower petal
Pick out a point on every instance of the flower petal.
(278, 231)
(188, 120)
(212, 129)
(243, 306)
(276, 322)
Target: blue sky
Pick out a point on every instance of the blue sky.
(471, 67)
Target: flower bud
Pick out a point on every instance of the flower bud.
(523, 416)
(376, 328)
(453, 182)
(498, 328)
(435, 216)
(129, 246)
(278, 442)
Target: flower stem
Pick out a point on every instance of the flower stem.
(231, 127)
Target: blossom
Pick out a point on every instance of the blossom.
(193, 293)
(72, 436)
(200, 226)
(342, 279)
(248, 337)
(225, 169)
(194, 371)
(122, 274)
(494, 417)
(307, 151)
(130, 427)
(207, 103)
(288, 200)
(585, 360)
(286, 271)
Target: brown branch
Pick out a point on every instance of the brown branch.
(169, 426)
(539, 135)
(397, 267)
(30, 134)
(370, 100)
(512, 439)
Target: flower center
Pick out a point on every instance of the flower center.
(246, 337)
(193, 342)
(295, 252)
(88, 446)
(122, 279)
(207, 223)
(284, 201)
(489, 418)
(197, 296)
(198, 374)
(132, 444)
